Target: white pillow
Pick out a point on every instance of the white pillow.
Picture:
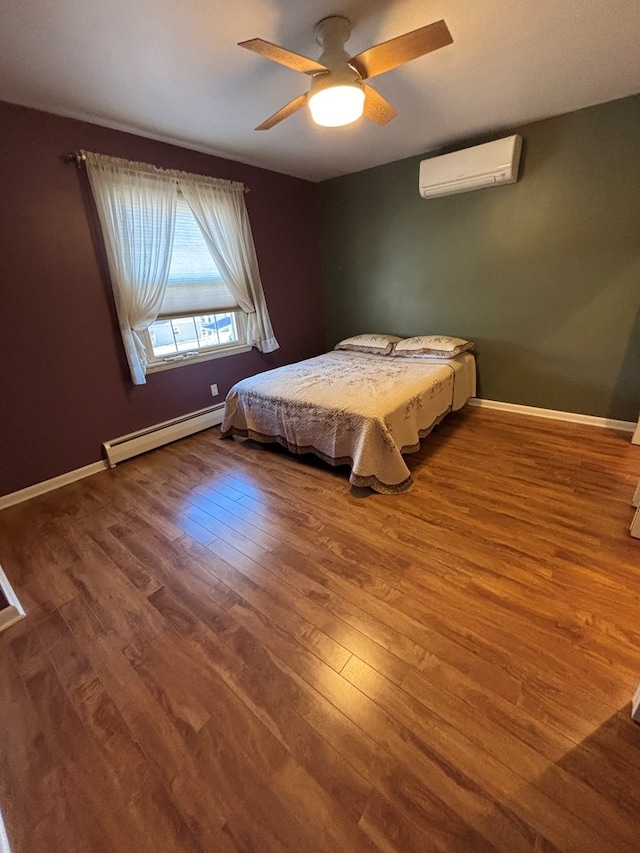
(432, 346)
(376, 344)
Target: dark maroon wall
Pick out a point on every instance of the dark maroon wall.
(64, 385)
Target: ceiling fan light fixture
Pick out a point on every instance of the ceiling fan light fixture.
(336, 106)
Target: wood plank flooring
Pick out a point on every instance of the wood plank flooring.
(228, 649)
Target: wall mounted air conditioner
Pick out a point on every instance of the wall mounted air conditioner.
(472, 168)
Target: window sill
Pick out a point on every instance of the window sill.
(157, 366)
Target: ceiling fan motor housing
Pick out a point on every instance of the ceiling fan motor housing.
(331, 35)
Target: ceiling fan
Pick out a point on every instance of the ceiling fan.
(338, 94)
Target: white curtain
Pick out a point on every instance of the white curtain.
(221, 213)
(136, 206)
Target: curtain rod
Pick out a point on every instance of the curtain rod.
(80, 159)
(75, 157)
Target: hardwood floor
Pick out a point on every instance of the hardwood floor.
(227, 648)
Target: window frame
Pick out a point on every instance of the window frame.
(158, 363)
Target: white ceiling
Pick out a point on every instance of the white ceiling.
(170, 69)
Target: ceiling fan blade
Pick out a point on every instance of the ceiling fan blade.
(286, 111)
(377, 108)
(389, 54)
(283, 56)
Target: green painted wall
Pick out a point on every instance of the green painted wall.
(544, 274)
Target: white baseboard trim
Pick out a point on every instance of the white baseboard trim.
(50, 485)
(216, 418)
(124, 448)
(554, 415)
(11, 614)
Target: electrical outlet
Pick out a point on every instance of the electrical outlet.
(214, 391)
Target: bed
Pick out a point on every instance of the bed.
(354, 408)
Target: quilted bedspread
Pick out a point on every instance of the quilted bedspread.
(352, 408)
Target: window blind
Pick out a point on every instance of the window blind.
(194, 285)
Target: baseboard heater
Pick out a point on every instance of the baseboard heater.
(126, 446)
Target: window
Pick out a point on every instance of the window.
(181, 338)
(166, 233)
(183, 331)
